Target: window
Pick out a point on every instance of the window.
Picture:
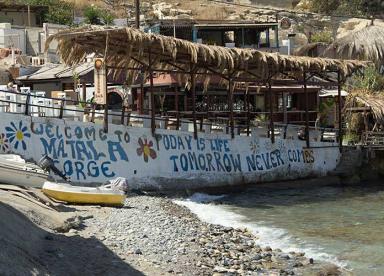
(280, 102)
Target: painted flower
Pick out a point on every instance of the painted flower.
(4, 145)
(145, 149)
(17, 134)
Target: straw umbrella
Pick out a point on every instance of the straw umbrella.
(365, 44)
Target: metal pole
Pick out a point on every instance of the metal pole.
(106, 117)
(285, 101)
(306, 109)
(271, 124)
(174, 28)
(61, 113)
(137, 21)
(339, 110)
(122, 115)
(27, 100)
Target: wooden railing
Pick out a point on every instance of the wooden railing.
(373, 139)
(29, 104)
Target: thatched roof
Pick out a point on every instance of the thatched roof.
(314, 49)
(376, 103)
(372, 100)
(131, 48)
(365, 44)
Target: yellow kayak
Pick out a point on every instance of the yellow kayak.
(103, 195)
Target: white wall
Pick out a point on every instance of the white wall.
(13, 37)
(169, 160)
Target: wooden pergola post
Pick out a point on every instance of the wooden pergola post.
(152, 96)
(141, 105)
(248, 108)
(230, 103)
(106, 102)
(271, 124)
(306, 109)
(84, 91)
(339, 110)
(177, 107)
(193, 90)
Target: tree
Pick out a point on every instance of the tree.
(325, 6)
(374, 8)
(92, 15)
(96, 16)
(59, 11)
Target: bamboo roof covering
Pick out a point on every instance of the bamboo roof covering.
(128, 48)
(365, 44)
(311, 49)
(376, 103)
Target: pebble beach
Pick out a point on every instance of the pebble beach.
(158, 237)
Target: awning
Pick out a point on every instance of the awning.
(332, 93)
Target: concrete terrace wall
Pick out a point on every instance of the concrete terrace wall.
(170, 160)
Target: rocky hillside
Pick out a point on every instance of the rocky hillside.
(304, 24)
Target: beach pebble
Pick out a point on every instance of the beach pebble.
(175, 241)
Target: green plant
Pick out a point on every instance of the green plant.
(324, 6)
(59, 11)
(351, 138)
(348, 7)
(325, 107)
(300, 28)
(260, 118)
(92, 15)
(97, 16)
(324, 36)
(371, 80)
(107, 17)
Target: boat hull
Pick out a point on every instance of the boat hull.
(167, 160)
(82, 195)
(21, 174)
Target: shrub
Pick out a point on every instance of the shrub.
(97, 16)
(59, 11)
(324, 36)
(371, 80)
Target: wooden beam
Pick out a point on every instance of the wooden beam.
(339, 110)
(177, 108)
(306, 109)
(248, 110)
(271, 124)
(358, 109)
(193, 88)
(230, 103)
(152, 97)
(106, 102)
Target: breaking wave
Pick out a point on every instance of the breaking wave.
(201, 205)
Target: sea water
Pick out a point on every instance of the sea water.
(342, 225)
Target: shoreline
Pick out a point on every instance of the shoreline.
(158, 233)
(151, 235)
